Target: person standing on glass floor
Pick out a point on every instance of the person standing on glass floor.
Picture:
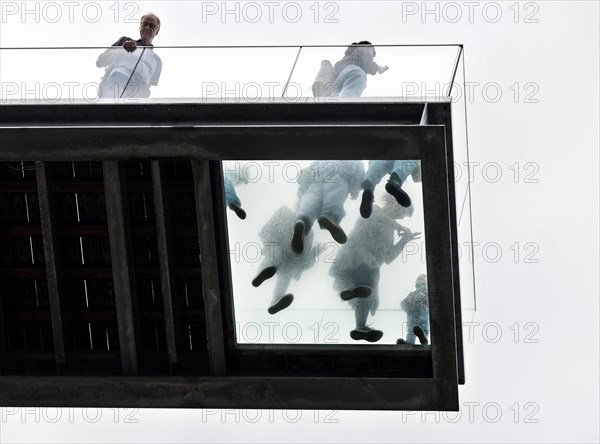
(357, 264)
(323, 190)
(232, 200)
(416, 306)
(280, 261)
(351, 71)
(132, 72)
(399, 170)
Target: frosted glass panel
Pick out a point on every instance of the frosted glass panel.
(308, 268)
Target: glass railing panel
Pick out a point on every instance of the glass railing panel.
(64, 75)
(201, 74)
(222, 74)
(191, 74)
(414, 72)
(462, 184)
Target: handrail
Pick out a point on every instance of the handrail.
(240, 46)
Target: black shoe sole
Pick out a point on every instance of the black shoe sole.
(357, 292)
(265, 274)
(237, 210)
(419, 333)
(298, 238)
(371, 336)
(399, 194)
(366, 205)
(284, 302)
(334, 229)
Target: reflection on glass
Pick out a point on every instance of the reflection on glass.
(310, 266)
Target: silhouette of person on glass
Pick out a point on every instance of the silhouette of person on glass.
(399, 171)
(280, 260)
(416, 306)
(323, 190)
(230, 180)
(356, 266)
(130, 73)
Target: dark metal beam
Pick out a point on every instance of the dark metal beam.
(230, 340)
(210, 270)
(439, 113)
(217, 143)
(226, 392)
(122, 270)
(441, 278)
(271, 112)
(165, 254)
(51, 246)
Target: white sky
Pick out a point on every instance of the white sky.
(543, 127)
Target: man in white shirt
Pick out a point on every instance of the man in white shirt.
(130, 73)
